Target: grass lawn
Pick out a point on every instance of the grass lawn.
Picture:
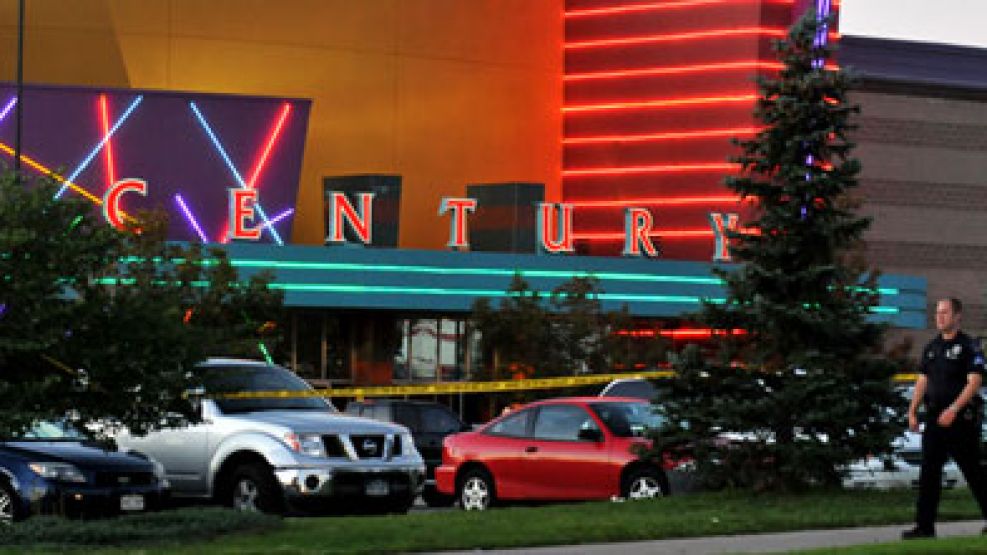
(694, 515)
(945, 546)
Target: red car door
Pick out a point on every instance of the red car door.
(567, 456)
(503, 451)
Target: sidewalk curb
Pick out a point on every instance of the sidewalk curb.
(749, 543)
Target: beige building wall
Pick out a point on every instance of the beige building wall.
(924, 182)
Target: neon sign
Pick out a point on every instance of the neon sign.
(188, 149)
(553, 229)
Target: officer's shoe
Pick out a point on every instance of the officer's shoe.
(917, 533)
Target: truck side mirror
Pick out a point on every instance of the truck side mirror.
(195, 396)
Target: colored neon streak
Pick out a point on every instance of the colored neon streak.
(673, 70)
(680, 333)
(280, 217)
(41, 168)
(270, 144)
(674, 37)
(675, 135)
(672, 168)
(436, 270)
(229, 164)
(272, 137)
(464, 271)
(656, 6)
(89, 158)
(267, 355)
(669, 234)
(104, 116)
(667, 201)
(660, 103)
(191, 219)
(6, 109)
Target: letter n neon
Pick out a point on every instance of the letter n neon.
(359, 221)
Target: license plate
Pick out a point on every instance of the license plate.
(378, 488)
(131, 502)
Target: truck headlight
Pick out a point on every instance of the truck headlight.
(59, 472)
(307, 444)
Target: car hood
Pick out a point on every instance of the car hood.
(321, 422)
(83, 455)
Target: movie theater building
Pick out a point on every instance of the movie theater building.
(391, 161)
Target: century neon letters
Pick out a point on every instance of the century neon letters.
(553, 220)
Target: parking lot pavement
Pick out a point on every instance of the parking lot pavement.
(756, 543)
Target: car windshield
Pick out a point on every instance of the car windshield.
(221, 380)
(628, 419)
(50, 430)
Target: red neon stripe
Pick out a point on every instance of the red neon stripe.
(672, 135)
(261, 160)
(660, 103)
(670, 168)
(272, 137)
(672, 70)
(667, 201)
(674, 37)
(681, 332)
(104, 116)
(655, 6)
(668, 234)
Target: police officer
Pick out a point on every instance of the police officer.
(952, 371)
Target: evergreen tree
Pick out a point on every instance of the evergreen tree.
(516, 333)
(105, 325)
(805, 389)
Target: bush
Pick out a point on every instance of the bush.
(183, 525)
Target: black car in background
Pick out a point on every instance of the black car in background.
(55, 469)
(429, 423)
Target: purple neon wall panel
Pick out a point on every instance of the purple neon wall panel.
(164, 142)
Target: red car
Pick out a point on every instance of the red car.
(577, 448)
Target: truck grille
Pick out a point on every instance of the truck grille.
(368, 447)
(333, 446)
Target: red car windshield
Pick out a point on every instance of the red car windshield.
(628, 419)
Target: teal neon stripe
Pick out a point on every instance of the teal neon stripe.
(399, 290)
(395, 268)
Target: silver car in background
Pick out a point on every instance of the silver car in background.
(278, 454)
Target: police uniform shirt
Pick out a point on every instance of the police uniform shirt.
(947, 364)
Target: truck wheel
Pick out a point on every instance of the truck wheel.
(644, 483)
(9, 511)
(476, 490)
(254, 489)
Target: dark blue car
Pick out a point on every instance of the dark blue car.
(55, 469)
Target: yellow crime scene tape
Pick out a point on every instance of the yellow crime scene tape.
(446, 388)
(452, 388)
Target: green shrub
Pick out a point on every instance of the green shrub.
(190, 524)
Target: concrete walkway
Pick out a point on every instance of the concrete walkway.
(755, 543)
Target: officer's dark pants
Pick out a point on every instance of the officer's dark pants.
(961, 441)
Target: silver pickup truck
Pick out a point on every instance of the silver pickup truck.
(294, 454)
